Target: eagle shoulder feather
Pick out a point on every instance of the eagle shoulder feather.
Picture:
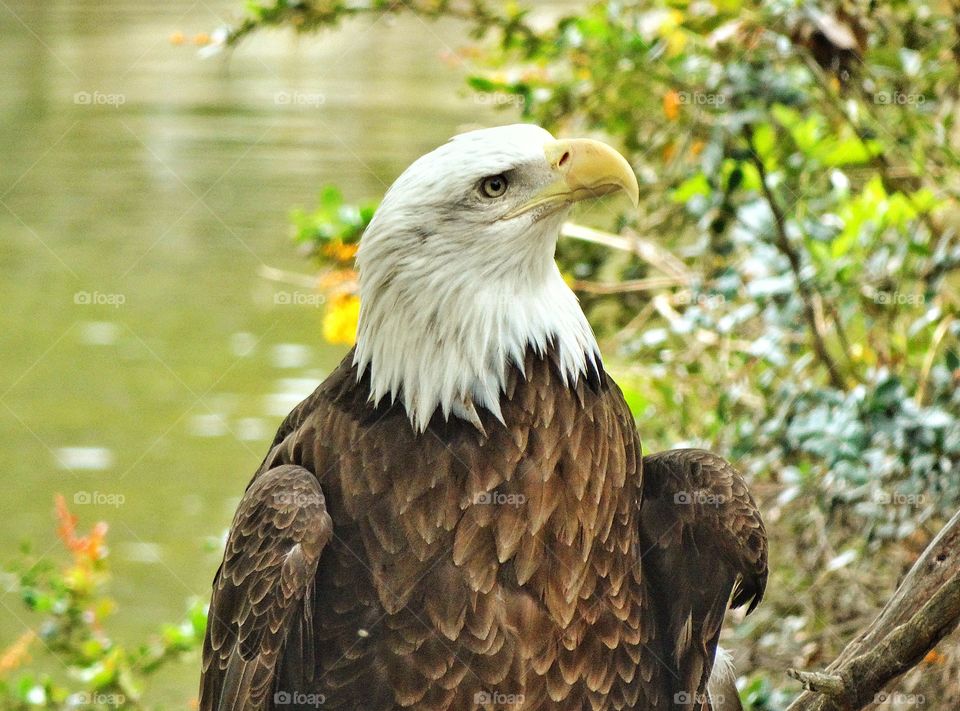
(703, 543)
(261, 606)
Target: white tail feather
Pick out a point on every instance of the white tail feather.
(722, 678)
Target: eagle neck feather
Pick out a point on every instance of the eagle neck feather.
(449, 343)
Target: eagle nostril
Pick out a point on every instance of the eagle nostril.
(564, 159)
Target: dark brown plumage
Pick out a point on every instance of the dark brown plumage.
(533, 566)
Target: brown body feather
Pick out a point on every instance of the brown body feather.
(373, 568)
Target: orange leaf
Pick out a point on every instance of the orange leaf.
(86, 549)
(671, 104)
(66, 521)
(17, 653)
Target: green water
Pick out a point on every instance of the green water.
(145, 361)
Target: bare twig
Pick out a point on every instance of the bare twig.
(630, 285)
(284, 277)
(931, 356)
(830, 684)
(630, 242)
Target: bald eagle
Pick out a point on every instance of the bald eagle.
(460, 517)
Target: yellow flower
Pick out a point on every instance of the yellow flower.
(340, 320)
(671, 29)
(339, 251)
(671, 104)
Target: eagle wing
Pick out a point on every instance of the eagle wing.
(257, 608)
(702, 540)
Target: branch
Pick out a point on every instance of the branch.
(309, 17)
(622, 287)
(931, 356)
(282, 276)
(633, 243)
(829, 684)
(923, 610)
(782, 242)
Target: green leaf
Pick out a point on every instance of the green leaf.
(691, 187)
(764, 140)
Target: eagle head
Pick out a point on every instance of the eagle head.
(457, 271)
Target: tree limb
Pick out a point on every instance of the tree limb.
(924, 609)
(649, 252)
(621, 287)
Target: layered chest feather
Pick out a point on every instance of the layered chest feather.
(553, 489)
(513, 548)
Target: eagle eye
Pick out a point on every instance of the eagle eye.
(493, 186)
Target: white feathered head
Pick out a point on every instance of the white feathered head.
(457, 275)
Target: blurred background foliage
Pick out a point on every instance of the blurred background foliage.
(787, 293)
(68, 595)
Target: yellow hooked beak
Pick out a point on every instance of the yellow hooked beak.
(585, 169)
